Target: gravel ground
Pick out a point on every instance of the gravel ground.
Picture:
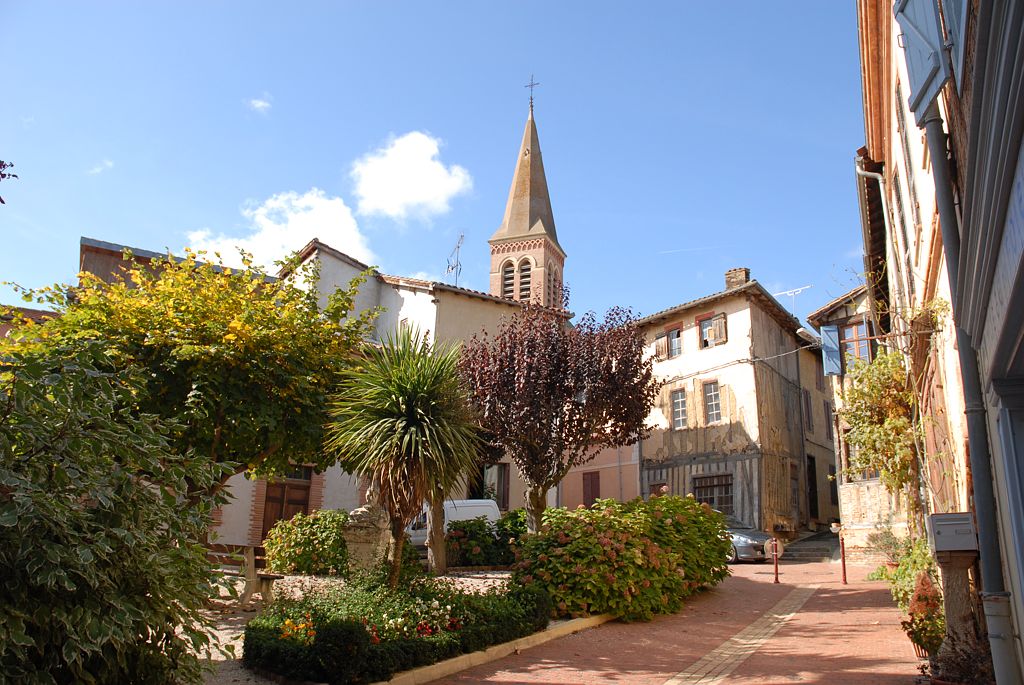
(229, 619)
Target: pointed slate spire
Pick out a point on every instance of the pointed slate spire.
(528, 210)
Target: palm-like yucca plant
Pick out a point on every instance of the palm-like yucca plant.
(401, 419)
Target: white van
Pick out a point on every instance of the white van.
(454, 510)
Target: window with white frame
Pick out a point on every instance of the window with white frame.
(675, 342)
(678, 409)
(712, 402)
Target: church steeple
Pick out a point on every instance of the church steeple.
(526, 260)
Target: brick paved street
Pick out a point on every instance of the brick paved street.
(808, 629)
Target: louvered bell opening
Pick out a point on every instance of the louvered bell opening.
(524, 281)
(508, 281)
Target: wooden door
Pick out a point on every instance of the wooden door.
(591, 487)
(284, 500)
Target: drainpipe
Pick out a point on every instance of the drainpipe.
(861, 171)
(995, 598)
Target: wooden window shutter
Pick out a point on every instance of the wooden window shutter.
(661, 346)
(718, 326)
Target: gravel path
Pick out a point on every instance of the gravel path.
(229, 620)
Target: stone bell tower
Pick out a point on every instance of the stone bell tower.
(527, 263)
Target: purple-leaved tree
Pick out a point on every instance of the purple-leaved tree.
(550, 395)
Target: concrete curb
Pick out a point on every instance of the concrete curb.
(442, 669)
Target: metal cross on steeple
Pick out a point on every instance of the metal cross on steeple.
(531, 85)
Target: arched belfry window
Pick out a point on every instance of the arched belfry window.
(551, 286)
(508, 280)
(524, 280)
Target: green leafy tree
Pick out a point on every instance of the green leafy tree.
(242, 362)
(402, 420)
(103, 581)
(550, 395)
(879, 408)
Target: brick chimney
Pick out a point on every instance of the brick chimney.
(734, 278)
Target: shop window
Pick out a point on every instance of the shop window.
(716, 491)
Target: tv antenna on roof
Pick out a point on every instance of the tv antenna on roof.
(454, 265)
(792, 294)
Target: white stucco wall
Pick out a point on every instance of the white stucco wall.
(341, 490)
(336, 273)
(234, 526)
(695, 365)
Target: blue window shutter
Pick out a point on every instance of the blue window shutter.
(831, 353)
(955, 13)
(927, 66)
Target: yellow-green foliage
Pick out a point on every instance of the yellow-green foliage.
(242, 362)
(879, 408)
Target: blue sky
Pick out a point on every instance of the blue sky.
(679, 139)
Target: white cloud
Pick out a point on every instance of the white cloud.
(284, 223)
(261, 105)
(405, 177)
(101, 167)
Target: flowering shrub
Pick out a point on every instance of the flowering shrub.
(632, 560)
(301, 631)
(692, 530)
(309, 545)
(478, 542)
(376, 631)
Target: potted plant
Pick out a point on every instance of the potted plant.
(889, 545)
(926, 625)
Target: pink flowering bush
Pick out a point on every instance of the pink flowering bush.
(631, 560)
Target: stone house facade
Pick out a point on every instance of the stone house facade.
(740, 419)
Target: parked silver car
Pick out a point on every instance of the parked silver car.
(749, 544)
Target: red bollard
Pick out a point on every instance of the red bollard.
(775, 557)
(842, 556)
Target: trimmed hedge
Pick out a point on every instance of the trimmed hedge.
(309, 545)
(631, 560)
(366, 633)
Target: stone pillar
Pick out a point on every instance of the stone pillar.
(367, 536)
(956, 593)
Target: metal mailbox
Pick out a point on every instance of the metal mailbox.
(953, 532)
